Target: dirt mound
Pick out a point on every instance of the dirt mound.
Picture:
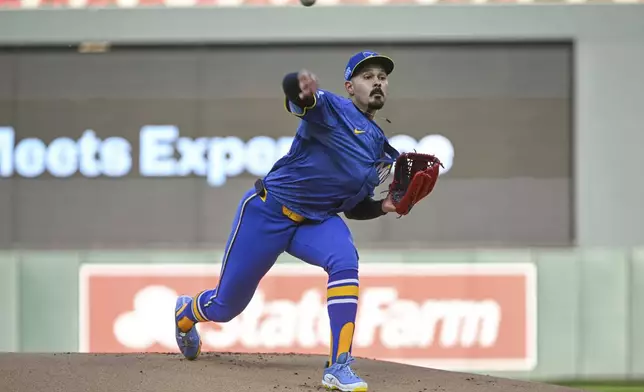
(225, 372)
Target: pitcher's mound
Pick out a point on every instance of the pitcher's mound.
(225, 372)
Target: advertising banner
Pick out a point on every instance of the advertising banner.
(450, 316)
(150, 147)
(163, 152)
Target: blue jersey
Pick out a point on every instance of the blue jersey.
(337, 159)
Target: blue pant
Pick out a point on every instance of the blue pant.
(261, 231)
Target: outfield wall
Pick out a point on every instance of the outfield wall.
(586, 320)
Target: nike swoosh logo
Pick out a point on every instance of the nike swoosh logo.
(357, 132)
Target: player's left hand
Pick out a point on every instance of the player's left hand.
(415, 176)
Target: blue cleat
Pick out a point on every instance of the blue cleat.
(186, 332)
(340, 377)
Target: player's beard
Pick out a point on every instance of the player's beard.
(376, 99)
(376, 103)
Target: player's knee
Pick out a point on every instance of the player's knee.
(223, 313)
(225, 316)
(345, 261)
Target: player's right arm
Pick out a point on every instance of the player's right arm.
(303, 98)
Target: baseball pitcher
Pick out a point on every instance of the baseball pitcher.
(338, 157)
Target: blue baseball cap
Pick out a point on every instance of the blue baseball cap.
(362, 58)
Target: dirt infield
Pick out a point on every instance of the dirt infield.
(225, 372)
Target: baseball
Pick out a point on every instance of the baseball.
(307, 3)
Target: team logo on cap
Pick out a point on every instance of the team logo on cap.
(347, 73)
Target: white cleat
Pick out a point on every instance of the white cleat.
(340, 376)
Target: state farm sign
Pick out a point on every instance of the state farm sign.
(451, 316)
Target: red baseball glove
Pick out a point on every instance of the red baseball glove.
(415, 176)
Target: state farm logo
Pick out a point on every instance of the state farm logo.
(459, 317)
(149, 320)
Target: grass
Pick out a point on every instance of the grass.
(610, 388)
(606, 386)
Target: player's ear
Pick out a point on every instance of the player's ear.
(349, 87)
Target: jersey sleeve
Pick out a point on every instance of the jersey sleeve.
(366, 210)
(318, 112)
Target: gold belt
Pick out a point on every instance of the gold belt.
(294, 216)
(262, 192)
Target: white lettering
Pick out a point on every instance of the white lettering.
(226, 159)
(402, 326)
(250, 321)
(88, 145)
(216, 156)
(324, 326)
(441, 147)
(437, 145)
(156, 157)
(464, 323)
(226, 335)
(164, 153)
(373, 305)
(260, 155)
(309, 310)
(193, 158)
(116, 157)
(383, 320)
(278, 330)
(235, 154)
(275, 324)
(62, 157)
(30, 157)
(403, 143)
(7, 140)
